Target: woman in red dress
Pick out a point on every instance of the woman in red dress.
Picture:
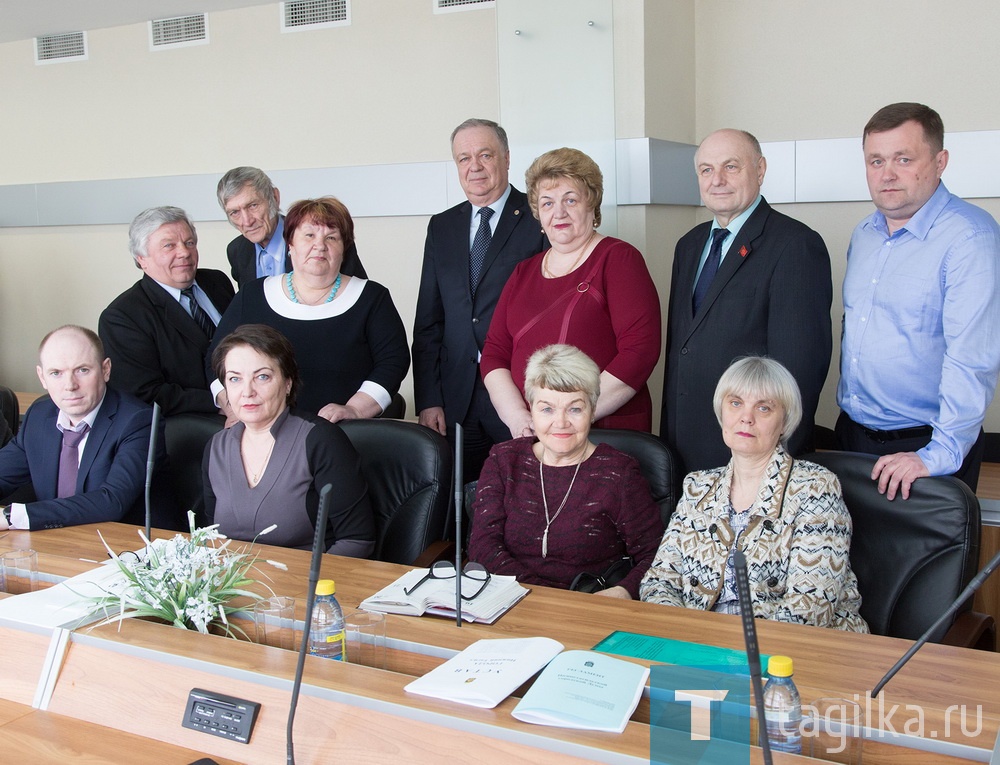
(587, 290)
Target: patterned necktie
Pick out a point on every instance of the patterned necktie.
(69, 461)
(479, 247)
(198, 313)
(710, 269)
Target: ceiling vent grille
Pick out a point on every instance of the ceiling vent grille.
(178, 32)
(53, 49)
(447, 6)
(314, 14)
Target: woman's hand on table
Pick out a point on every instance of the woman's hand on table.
(615, 592)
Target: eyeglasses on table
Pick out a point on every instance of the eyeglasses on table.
(478, 576)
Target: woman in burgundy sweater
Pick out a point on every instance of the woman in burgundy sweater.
(554, 505)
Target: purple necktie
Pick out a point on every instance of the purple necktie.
(69, 461)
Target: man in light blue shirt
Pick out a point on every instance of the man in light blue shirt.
(920, 353)
(252, 205)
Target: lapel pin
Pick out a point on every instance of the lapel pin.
(744, 251)
(517, 212)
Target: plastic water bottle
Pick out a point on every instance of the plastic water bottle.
(326, 630)
(782, 707)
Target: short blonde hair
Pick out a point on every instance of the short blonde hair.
(567, 163)
(761, 377)
(563, 368)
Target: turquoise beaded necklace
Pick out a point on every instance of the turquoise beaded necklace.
(295, 298)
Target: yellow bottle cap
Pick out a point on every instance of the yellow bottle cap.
(327, 587)
(779, 666)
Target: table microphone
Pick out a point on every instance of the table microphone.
(753, 651)
(967, 593)
(150, 464)
(459, 511)
(317, 556)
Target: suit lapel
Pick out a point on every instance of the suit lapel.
(456, 247)
(739, 252)
(173, 315)
(512, 215)
(50, 440)
(95, 441)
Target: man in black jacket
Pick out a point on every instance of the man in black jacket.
(458, 293)
(157, 332)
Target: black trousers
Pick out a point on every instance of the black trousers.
(481, 429)
(852, 437)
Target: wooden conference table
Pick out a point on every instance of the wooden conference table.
(136, 680)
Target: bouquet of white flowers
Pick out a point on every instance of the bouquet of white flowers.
(187, 582)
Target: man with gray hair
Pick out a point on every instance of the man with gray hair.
(750, 282)
(469, 254)
(253, 205)
(157, 332)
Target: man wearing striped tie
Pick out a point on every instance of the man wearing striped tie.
(158, 331)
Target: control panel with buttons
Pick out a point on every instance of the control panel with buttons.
(220, 715)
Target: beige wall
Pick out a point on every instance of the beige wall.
(370, 93)
(784, 69)
(787, 69)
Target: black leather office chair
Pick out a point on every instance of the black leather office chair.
(912, 556)
(185, 439)
(408, 470)
(396, 409)
(656, 463)
(11, 412)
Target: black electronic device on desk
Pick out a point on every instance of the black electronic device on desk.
(220, 715)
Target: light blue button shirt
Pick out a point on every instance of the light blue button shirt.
(921, 340)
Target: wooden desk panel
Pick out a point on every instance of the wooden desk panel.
(23, 660)
(105, 687)
(828, 662)
(43, 738)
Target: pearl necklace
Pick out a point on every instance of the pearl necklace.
(295, 298)
(545, 504)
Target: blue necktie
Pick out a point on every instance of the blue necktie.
(198, 313)
(479, 247)
(710, 269)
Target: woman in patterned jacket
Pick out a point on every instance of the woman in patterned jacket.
(788, 516)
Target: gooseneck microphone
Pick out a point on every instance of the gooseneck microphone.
(317, 557)
(968, 592)
(753, 651)
(459, 510)
(150, 464)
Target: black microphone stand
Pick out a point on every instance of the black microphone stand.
(317, 556)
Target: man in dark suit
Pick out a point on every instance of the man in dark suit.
(157, 332)
(467, 260)
(83, 449)
(764, 289)
(252, 204)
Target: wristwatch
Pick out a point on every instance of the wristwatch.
(6, 515)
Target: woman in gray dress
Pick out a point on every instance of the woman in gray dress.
(270, 466)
